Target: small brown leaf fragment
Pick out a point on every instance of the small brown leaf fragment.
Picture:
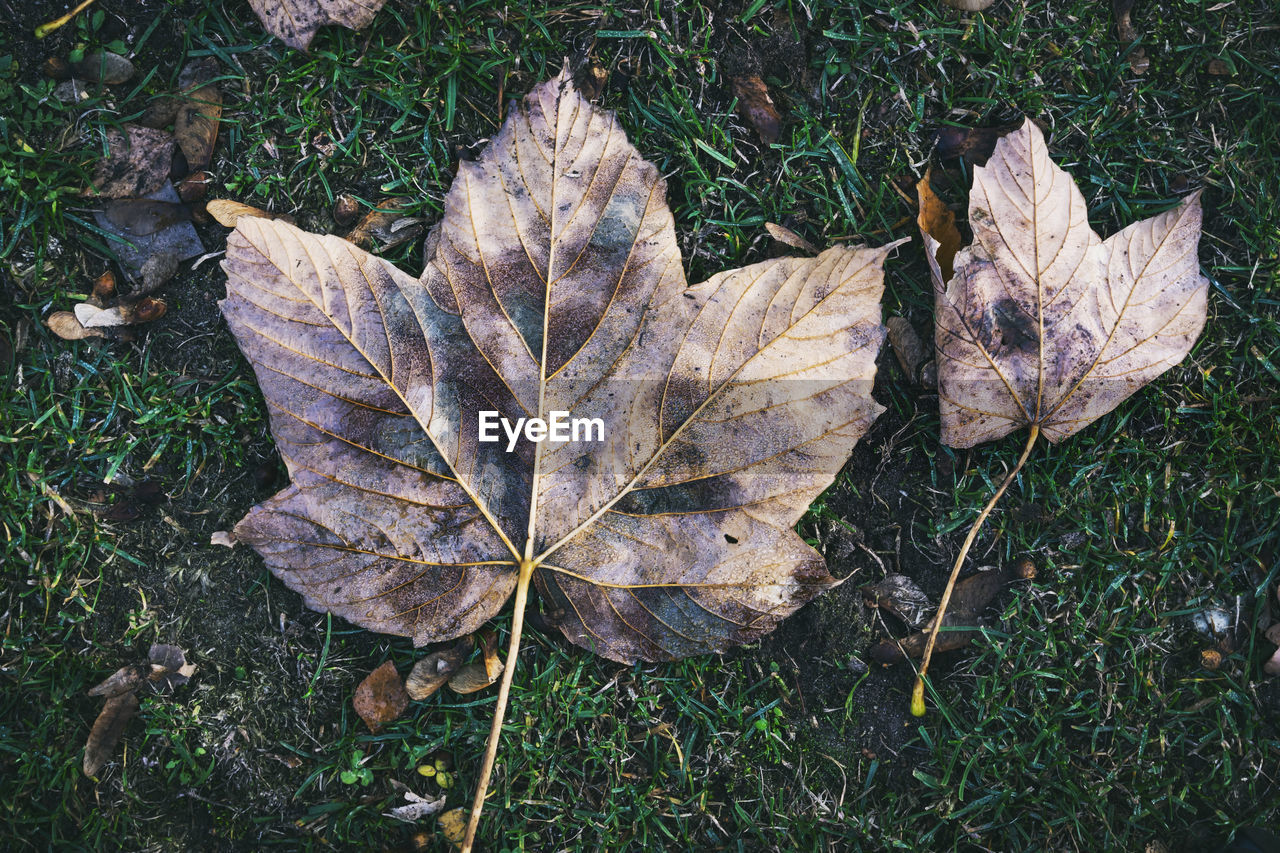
(755, 105)
(937, 221)
(193, 187)
(790, 238)
(1024, 569)
(228, 212)
(196, 123)
(432, 672)
(1139, 62)
(907, 346)
(591, 79)
(380, 698)
(1210, 659)
(295, 22)
(137, 162)
(104, 288)
(1218, 68)
(489, 648)
(472, 677)
(168, 667)
(104, 67)
(65, 325)
(971, 144)
(123, 680)
(383, 226)
(128, 313)
(107, 729)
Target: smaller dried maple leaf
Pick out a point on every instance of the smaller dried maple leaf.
(1044, 323)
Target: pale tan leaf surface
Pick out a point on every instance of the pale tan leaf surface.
(554, 283)
(1045, 323)
(295, 22)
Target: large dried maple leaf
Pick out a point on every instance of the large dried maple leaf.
(554, 284)
(1044, 323)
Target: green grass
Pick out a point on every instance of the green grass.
(1083, 720)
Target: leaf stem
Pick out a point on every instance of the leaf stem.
(499, 712)
(917, 693)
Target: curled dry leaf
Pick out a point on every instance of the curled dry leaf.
(907, 346)
(756, 106)
(137, 162)
(472, 678)
(432, 672)
(380, 698)
(295, 22)
(107, 729)
(228, 212)
(1043, 322)
(65, 325)
(168, 667)
(1122, 9)
(790, 238)
(554, 290)
(123, 680)
(416, 808)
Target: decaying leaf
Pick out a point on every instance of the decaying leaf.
(380, 698)
(137, 162)
(433, 671)
(971, 597)
(1122, 9)
(386, 225)
(295, 22)
(937, 223)
(1044, 323)
(710, 416)
(756, 106)
(899, 595)
(151, 226)
(166, 667)
(969, 5)
(107, 729)
(195, 124)
(416, 808)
